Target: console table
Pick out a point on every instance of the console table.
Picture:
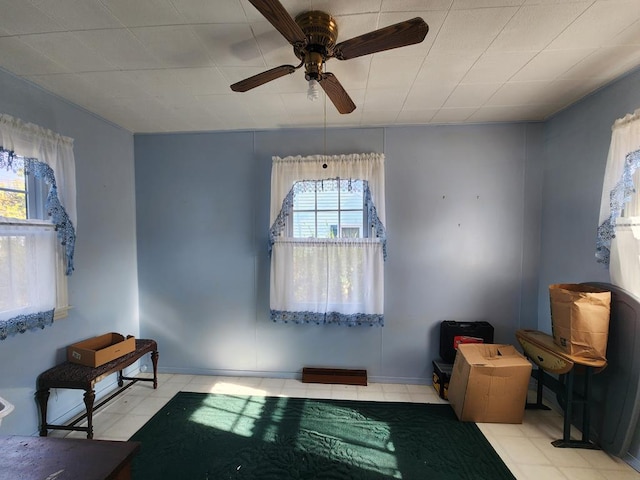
(75, 376)
(36, 458)
(547, 356)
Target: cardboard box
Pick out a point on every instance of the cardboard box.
(489, 383)
(441, 376)
(97, 351)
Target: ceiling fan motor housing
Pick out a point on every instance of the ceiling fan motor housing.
(321, 31)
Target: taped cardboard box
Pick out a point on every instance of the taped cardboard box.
(97, 351)
(580, 319)
(489, 383)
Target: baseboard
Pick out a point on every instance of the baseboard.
(280, 374)
(633, 461)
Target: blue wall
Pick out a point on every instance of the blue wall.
(576, 144)
(462, 222)
(103, 289)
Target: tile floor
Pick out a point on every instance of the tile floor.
(525, 448)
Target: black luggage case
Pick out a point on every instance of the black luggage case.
(453, 333)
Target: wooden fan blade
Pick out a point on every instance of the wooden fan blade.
(262, 78)
(336, 93)
(273, 11)
(399, 35)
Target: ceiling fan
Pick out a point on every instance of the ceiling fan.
(313, 36)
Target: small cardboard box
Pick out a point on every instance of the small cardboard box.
(441, 376)
(97, 351)
(489, 383)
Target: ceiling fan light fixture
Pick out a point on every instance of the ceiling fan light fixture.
(313, 93)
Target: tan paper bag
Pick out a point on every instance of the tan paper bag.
(580, 319)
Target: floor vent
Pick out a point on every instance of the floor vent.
(334, 375)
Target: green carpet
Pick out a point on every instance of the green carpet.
(199, 436)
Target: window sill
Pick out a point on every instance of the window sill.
(61, 313)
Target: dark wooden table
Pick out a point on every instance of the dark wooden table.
(37, 458)
(74, 376)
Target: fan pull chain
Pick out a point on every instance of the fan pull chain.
(324, 66)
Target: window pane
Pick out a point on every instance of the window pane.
(327, 224)
(13, 261)
(13, 204)
(327, 195)
(353, 198)
(305, 200)
(11, 179)
(304, 224)
(351, 224)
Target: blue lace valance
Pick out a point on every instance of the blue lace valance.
(329, 318)
(618, 197)
(287, 207)
(63, 225)
(23, 323)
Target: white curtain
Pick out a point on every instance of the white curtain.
(331, 280)
(28, 269)
(31, 141)
(618, 243)
(36, 254)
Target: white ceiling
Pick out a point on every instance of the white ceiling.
(166, 65)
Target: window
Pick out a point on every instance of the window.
(22, 196)
(328, 209)
(37, 234)
(618, 233)
(328, 240)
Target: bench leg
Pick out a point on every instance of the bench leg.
(154, 361)
(42, 396)
(89, 397)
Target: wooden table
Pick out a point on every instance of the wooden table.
(541, 350)
(74, 376)
(37, 458)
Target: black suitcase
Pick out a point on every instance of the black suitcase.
(453, 333)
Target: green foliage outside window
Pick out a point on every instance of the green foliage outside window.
(13, 194)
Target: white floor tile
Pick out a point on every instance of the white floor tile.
(521, 450)
(317, 393)
(123, 404)
(394, 388)
(539, 472)
(397, 396)
(601, 460)
(582, 473)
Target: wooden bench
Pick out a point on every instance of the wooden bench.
(74, 376)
